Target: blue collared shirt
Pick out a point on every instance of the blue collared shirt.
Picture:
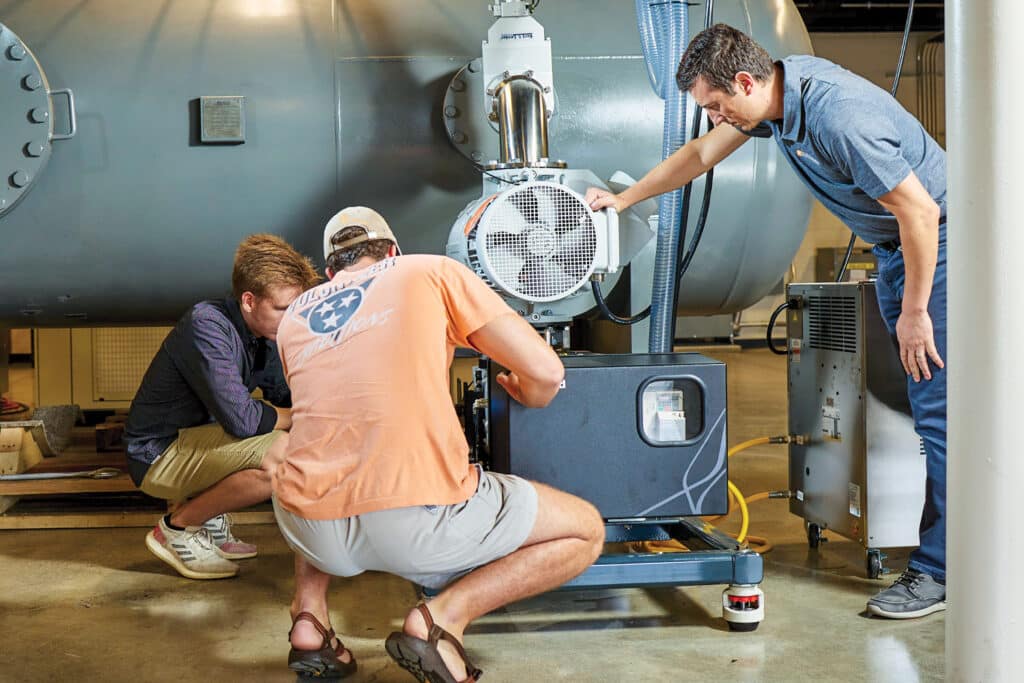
(851, 142)
(206, 370)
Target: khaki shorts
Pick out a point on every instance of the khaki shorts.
(199, 458)
(430, 545)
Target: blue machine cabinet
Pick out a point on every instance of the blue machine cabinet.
(643, 438)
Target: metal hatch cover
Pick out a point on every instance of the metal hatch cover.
(26, 118)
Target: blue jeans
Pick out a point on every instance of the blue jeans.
(927, 402)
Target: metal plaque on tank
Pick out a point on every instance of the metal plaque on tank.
(222, 119)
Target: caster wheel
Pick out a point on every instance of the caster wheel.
(743, 628)
(874, 564)
(743, 607)
(814, 537)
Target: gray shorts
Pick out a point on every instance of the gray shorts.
(429, 545)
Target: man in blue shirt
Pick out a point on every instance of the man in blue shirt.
(872, 164)
(195, 435)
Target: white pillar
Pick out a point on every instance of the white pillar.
(985, 554)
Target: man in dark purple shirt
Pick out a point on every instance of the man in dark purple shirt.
(196, 436)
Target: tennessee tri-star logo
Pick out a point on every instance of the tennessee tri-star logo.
(331, 314)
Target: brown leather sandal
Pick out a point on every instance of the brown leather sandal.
(324, 662)
(421, 657)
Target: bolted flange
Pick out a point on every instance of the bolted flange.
(26, 115)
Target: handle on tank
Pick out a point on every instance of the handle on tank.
(72, 116)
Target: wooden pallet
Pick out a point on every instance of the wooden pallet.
(15, 518)
(23, 503)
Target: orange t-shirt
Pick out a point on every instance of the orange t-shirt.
(366, 356)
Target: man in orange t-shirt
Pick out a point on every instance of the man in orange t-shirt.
(376, 474)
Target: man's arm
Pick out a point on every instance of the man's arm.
(284, 418)
(688, 162)
(210, 366)
(535, 371)
(272, 381)
(918, 218)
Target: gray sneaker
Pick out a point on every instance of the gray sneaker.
(191, 552)
(914, 594)
(228, 545)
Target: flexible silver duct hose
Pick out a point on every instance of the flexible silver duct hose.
(664, 30)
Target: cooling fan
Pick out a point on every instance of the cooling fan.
(537, 242)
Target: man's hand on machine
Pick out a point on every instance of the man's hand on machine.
(509, 381)
(599, 199)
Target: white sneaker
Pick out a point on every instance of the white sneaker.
(229, 547)
(191, 552)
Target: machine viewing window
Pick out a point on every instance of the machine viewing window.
(670, 411)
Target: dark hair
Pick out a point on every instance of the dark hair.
(343, 258)
(264, 261)
(719, 53)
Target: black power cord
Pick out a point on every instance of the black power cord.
(595, 287)
(771, 326)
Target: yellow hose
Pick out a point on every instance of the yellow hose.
(762, 544)
(743, 511)
(745, 524)
(761, 440)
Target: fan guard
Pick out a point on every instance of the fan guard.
(537, 241)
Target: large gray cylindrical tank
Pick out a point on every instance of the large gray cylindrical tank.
(135, 218)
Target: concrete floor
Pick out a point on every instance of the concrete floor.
(94, 605)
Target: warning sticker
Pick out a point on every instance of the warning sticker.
(794, 350)
(854, 499)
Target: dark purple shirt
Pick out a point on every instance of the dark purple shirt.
(205, 371)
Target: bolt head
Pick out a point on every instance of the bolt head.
(39, 115)
(31, 82)
(451, 111)
(19, 179)
(34, 149)
(474, 66)
(16, 53)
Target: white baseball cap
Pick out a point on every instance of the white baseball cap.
(373, 224)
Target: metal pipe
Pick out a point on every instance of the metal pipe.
(984, 626)
(522, 121)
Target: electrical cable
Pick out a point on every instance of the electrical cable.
(595, 287)
(702, 219)
(895, 87)
(771, 326)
